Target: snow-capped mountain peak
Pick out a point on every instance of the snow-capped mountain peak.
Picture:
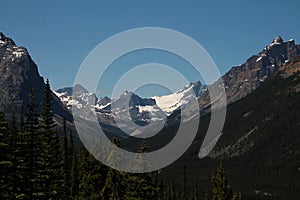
(129, 106)
(172, 102)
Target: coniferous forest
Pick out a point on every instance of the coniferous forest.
(40, 161)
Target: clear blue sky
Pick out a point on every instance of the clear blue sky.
(60, 34)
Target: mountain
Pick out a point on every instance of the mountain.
(18, 73)
(139, 108)
(129, 106)
(259, 146)
(168, 103)
(65, 95)
(241, 80)
(126, 107)
(68, 91)
(173, 102)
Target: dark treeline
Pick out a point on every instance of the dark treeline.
(39, 162)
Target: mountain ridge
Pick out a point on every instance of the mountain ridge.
(239, 81)
(19, 74)
(259, 144)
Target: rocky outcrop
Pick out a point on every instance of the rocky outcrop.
(241, 80)
(18, 73)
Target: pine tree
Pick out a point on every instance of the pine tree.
(48, 138)
(206, 196)
(91, 175)
(13, 132)
(184, 192)
(14, 147)
(6, 164)
(17, 143)
(21, 164)
(58, 167)
(157, 186)
(172, 190)
(66, 162)
(74, 169)
(237, 196)
(143, 185)
(31, 151)
(143, 147)
(113, 188)
(196, 192)
(221, 189)
(22, 123)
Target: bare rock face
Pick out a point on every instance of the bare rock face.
(278, 40)
(241, 80)
(18, 73)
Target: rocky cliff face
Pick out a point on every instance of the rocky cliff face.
(241, 80)
(18, 73)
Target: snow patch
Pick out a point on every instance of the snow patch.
(258, 59)
(170, 103)
(263, 79)
(102, 106)
(58, 94)
(19, 53)
(148, 109)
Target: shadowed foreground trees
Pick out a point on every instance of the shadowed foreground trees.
(221, 189)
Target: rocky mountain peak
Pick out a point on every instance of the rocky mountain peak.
(277, 40)
(9, 51)
(2, 36)
(5, 41)
(241, 80)
(78, 90)
(18, 73)
(66, 90)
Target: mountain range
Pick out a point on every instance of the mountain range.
(239, 81)
(20, 73)
(260, 141)
(142, 110)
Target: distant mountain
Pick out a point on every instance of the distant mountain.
(68, 91)
(183, 97)
(141, 110)
(18, 73)
(239, 81)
